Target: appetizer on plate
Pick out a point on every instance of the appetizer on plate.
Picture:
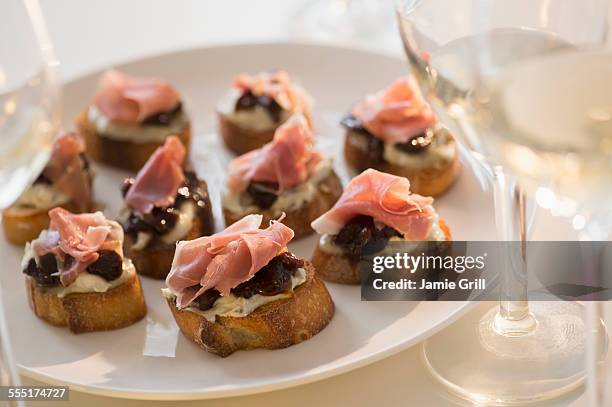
(65, 181)
(284, 176)
(242, 289)
(129, 118)
(164, 203)
(76, 275)
(374, 209)
(256, 106)
(396, 131)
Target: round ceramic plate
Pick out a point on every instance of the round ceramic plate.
(151, 359)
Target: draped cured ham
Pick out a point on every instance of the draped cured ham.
(397, 113)
(76, 240)
(157, 182)
(224, 260)
(384, 197)
(287, 160)
(66, 169)
(277, 85)
(129, 99)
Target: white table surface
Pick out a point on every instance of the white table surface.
(90, 34)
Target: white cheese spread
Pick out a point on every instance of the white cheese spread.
(136, 133)
(232, 306)
(288, 200)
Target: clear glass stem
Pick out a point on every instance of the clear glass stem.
(597, 229)
(513, 317)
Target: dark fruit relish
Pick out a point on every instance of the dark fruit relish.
(415, 145)
(162, 220)
(248, 101)
(163, 118)
(109, 266)
(360, 236)
(264, 194)
(272, 279)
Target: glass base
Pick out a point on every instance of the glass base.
(477, 363)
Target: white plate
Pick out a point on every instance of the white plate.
(120, 363)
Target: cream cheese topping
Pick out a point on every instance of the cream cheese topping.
(436, 234)
(256, 118)
(136, 133)
(442, 150)
(91, 283)
(41, 196)
(233, 306)
(288, 200)
(86, 282)
(184, 223)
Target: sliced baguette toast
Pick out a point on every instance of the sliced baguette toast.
(155, 259)
(22, 225)
(121, 153)
(274, 325)
(339, 268)
(241, 140)
(299, 219)
(88, 312)
(430, 181)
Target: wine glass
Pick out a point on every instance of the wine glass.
(518, 351)
(364, 23)
(29, 97)
(29, 115)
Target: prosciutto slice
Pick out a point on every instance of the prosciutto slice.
(397, 113)
(66, 170)
(157, 181)
(129, 99)
(384, 197)
(226, 259)
(277, 85)
(287, 160)
(79, 236)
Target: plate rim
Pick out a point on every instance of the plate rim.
(286, 382)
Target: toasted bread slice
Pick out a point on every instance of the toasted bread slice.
(274, 325)
(22, 225)
(155, 259)
(242, 140)
(87, 312)
(299, 219)
(121, 153)
(338, 268)
(430, 181)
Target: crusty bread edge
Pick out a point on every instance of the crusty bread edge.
(427, 182)
(275, 325)
(329, 191)
(121, 153)
(22, 226)
(241, 140)
(87, 312)
(338, 268)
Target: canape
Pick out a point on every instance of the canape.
(164, 203)
(242, 289)
(374, 209)
(65, 182)
(131, 117)
(284, 176)
(76, 275)
(256, 106)
(396, 131)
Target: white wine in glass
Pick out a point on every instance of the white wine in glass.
(519, 351)
(29, 118)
